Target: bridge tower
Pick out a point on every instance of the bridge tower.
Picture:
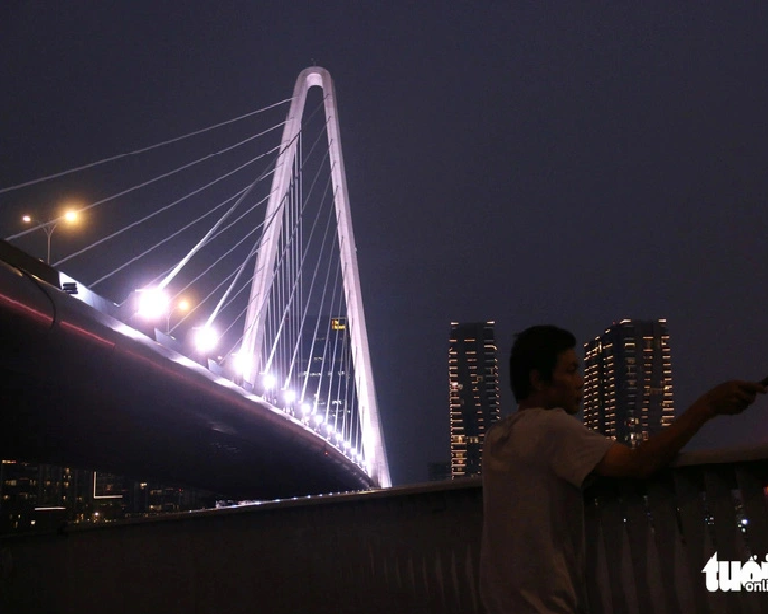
(373, 446)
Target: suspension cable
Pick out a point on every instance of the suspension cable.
(299, 270)
(212, 231)
(158, 178)
(327, 334)
(290, 241)
(210, 234)
(168, 238)
(138, 151)
(322, 302)
(295, 284)
(229, 251)
(160, 210)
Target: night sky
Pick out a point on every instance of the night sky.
(520, 162)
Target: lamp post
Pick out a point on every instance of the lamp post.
(70, 217)
(182, 306)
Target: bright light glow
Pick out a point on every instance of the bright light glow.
(243, 362)
(206, 339)
(223, 381)
(71, 216)
(269, 381)
(126, 330)
(186, 362)
(339, 436)
(318, 419)
(306, 408)
(289, 396)
(328, 428)
(153, 304)
(26, 219)
(347, 445)
(183, 305)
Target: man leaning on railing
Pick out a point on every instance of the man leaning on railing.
(534, 466)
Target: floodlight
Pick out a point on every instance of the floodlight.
(269, 381)
(153, 303)
(206, 339)
(243, 362)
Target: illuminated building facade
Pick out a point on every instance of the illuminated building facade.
(628, 381)
(33, 495)
(42, 497)
(473, 389)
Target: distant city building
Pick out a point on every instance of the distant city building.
(473, 393)
(326, 380)
(439, 472)
(628, 381)
(38, 496)
(41, 497)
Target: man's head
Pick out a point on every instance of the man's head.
(544, 369)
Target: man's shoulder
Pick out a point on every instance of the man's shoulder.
(561, 426)
(539, 416)
(532, 418)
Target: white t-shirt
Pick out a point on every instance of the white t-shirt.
(532, 557)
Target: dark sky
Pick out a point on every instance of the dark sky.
(523, 162)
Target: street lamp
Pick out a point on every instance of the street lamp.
(70, 217)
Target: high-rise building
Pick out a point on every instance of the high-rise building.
(473, 393)
(628, 381)
(326, 382)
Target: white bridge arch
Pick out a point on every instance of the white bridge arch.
(372, 441)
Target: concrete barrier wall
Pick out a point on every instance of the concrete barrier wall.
(413, 550)
(399, 551)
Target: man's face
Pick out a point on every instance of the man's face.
(566, 388)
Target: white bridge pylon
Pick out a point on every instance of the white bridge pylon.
(372, 441)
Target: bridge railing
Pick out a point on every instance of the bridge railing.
(413, 549)
(648, 542)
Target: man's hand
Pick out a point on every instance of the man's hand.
(730, 398)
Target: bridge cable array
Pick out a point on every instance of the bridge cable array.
(305, 355)
(141, 150)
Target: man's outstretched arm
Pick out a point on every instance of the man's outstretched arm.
(726, 399)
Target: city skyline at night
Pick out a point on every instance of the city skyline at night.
(575, 166)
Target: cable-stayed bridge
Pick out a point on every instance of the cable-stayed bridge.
(212, 333)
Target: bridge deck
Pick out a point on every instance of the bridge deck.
(82, 389)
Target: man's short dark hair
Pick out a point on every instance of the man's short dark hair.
(536, 348)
